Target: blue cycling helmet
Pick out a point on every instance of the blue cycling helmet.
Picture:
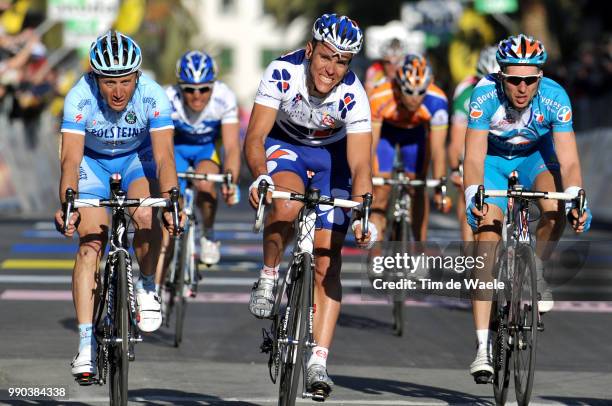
(195, 68)
(521, 50)
(342, 33)
(114, 54)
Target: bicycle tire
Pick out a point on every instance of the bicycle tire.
(525, 302)
(292, 360)
(502, 352)
(180, 303)
(119, 368)
(401, 233)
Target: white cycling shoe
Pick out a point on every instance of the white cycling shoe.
(148, 303)
(482, 367)
(210, 251)
(84, 362)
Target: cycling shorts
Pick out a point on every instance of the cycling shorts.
(412, 144)
(96, 170)
(190, 155)
(324, 167)
(529, 165)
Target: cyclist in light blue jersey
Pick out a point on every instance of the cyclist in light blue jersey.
(205, 116)
(116, 120)
(519, 120)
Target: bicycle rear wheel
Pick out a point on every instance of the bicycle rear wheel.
(119, 365)
(293, 352)
(502, 351)
(401, 234)
(525, 302)
(180, 303)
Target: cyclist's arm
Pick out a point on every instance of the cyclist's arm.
(569, 161)
(437, 139)
(163, 153)
(376, 127)
(457, 143)
(71, 156)
(358, 147)
(260, 125)
(475, 153)
(230, 133)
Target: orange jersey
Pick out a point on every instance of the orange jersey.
(386, 106)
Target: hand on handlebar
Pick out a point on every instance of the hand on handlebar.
(231, 194)
(73, 222)
(254, 190)
(365, 241)
(168, 218)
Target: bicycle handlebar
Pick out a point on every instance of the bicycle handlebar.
(225, 178)
(378, 181)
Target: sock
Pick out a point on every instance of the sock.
(147, 282)
(269, 272)
(86, 337)
(483, 339)
(209, 233)
(318, 356)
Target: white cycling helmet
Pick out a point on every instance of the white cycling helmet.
(342, 33)
(487, 61)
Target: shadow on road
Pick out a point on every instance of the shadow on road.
(569, 401)
(176, 397)
(363, 323)
(375, 386)
(69, 323)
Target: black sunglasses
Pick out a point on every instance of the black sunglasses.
(409, 92)
(192, 89)
(516, 80)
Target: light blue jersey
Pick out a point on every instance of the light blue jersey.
(113, 133)
(511, 132)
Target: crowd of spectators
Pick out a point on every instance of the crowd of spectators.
(27, 81)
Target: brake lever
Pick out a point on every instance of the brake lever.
(365, 219)
(174, 202)
(70, 193)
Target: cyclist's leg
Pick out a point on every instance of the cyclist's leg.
(414, 151)
(206, 160)
(487, 238)
(541, 172)
(385, 153)
(140, 182)
(289, 173)
(92, 231)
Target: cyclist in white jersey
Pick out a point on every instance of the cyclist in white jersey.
(310, 125)
(115, 121)
(519, 120)
(205, 116)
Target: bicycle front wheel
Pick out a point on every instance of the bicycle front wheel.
(502, 351)
(119, 361)
(180, 303)
(525, 320)
(293, 351)
(401, 234)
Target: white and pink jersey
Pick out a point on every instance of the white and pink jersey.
(305, 118)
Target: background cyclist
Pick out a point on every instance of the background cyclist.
(519, 120)
(116, 120)
(205, 116)
(487, 64)
(410, 112)
(383, 70)
(310, 125)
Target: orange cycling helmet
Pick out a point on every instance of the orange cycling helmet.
(414, 76)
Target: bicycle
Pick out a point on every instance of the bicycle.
(291, 334)
(515, 320)
(116, 330)
(399, 228)
(182, 279)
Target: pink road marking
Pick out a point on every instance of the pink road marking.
(348, 299)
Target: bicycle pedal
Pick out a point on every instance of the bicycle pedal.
(540, 326)
(86, 379)
(319, 395)
(483, 377)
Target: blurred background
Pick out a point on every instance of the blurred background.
(44, 44)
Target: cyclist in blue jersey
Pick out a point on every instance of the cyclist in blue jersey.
(310, 126)
(205, 116)
(116, 120)
(519, 120)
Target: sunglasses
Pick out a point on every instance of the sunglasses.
(409, 92)
(516, 80)
(193, 89)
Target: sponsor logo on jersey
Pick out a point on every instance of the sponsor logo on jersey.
(564, 114)
(83, 103)
(150, 100)
(78, 117)
(281, 78)
(296, 100)
(82, 174)
(485, 97)
(130, 117)
(276, 152)
(475, 111)
(328, 120)
(156, 114)
(346, 104)
(539, 117)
